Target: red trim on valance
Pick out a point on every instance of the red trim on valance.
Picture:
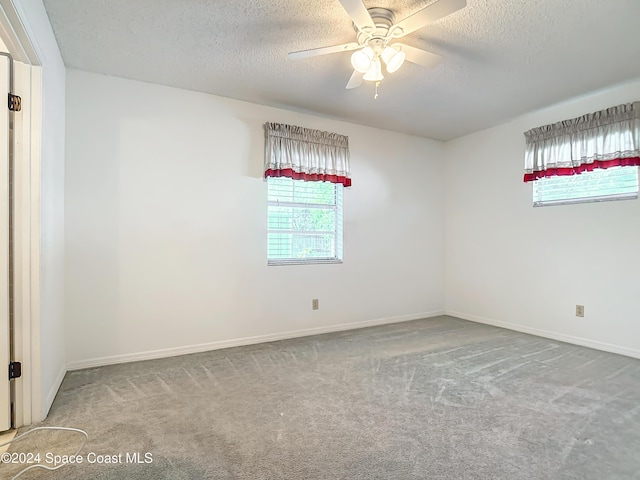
(585, 167)
(308, 177)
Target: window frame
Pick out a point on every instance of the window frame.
(336, 206)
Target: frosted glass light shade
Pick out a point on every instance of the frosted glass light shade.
(361, 59)
(393, 58)
(375, 72)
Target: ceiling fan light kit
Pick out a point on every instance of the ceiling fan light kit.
(362, 59)
(376, 35)
(367, 60)
(393, 58)
(374, 74)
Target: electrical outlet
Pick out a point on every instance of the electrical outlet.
(579, 310)
(314, 304)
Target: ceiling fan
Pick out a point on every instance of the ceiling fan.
(376, 35)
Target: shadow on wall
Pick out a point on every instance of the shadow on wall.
(92, 230)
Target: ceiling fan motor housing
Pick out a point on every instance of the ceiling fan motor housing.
(383, 19)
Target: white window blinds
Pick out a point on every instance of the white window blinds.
(615, 183)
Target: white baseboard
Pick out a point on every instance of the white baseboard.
(54, 390)
(239, 342)
(561, 337)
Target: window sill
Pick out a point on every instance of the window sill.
(308, 261)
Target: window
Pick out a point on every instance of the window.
(615, 183)
(590, 158)
(304, 222)
(306, 171)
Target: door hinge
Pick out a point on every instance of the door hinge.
(15, 103)
(15, 370)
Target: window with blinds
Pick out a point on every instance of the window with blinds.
(615, 183)
(304, 222)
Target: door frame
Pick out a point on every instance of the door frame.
(6, 386)
(27, 390)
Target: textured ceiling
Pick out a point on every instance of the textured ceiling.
(502, 58)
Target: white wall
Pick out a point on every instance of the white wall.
(166, 226)
(48, 329)
(526, 268)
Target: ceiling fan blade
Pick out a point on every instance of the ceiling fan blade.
(358, 13)
(429, 14)
(355, 81)
(324, 50)
(419, 56)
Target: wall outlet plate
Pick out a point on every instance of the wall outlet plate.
(579, 310)
(314, 304)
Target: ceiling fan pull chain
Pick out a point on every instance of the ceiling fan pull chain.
(375, 97)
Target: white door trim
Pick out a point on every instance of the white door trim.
(5, 242)
(28, 85)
